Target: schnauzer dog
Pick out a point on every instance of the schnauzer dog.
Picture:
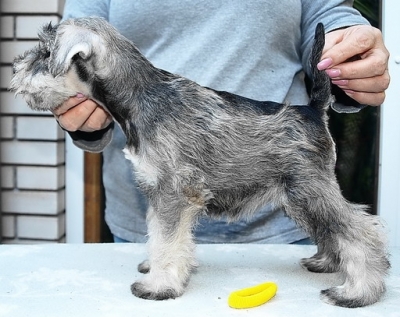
(197, 151)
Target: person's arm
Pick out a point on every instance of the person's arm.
(354, 54)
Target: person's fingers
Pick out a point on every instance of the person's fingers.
(74, 118)
(364, 68)
(99, 119)
(70, 103)
(375, 84)
(360, 41)
(365, 98)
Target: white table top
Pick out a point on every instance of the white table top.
(94, 280)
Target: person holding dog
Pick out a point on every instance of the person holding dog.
(257, 49)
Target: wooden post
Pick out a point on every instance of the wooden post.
(93, 197)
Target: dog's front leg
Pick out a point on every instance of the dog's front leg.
(171, 253)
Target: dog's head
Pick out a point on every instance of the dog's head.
(61, 65)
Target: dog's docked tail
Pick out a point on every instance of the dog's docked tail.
(321, 97)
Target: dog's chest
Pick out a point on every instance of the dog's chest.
(145, 172)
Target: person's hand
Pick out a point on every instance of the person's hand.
(81, 113)
(356, 60)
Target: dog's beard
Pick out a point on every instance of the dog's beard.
(39, 88)
(40, 97)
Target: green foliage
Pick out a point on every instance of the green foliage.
(369, 9)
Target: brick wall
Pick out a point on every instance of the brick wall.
(32, 144)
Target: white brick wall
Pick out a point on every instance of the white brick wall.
(43, 126)
(5, 75)
(51, 228)
(32, 153)
(6, 27)
(9, 49)
(35, 177)
(27, 26)
(41, 7)
(7, 177)
(7, 127)
(14, 105)
(8, 227)
(33, 202)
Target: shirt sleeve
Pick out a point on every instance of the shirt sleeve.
(84, 8)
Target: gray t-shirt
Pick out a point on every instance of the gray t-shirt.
(254, 48)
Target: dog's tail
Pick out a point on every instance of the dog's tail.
(321, 97)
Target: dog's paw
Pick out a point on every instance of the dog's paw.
(334, 296)
(338, 296)
(144, 267)
(140, 290)
(319, 264)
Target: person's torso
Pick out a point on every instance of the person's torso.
(249, 47)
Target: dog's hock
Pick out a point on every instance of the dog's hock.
(72, 41)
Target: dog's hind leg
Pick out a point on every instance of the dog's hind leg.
(171, 253)
(349, 241)
(361, 248)
(323, 261)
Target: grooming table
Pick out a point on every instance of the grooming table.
(94, 280)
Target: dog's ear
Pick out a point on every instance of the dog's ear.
(72, 41)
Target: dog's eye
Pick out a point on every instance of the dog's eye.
(47, 55)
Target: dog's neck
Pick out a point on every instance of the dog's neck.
(133, 103)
